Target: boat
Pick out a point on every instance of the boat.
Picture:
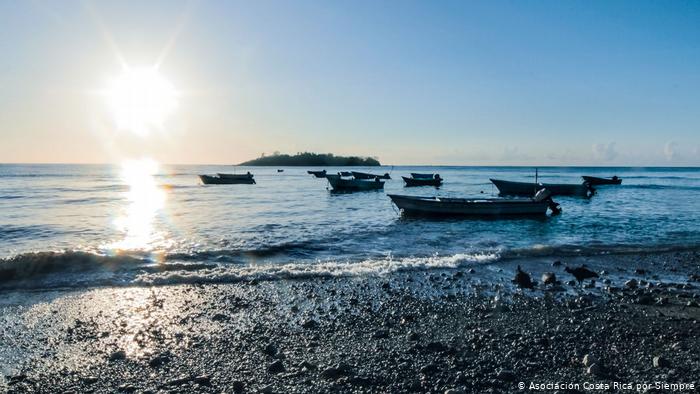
(247, 175)
(442, 206)
(594, 180)
(317, 174)
(345, 173)
(365, 175)
(433, 180)
(340, 184)
(421, 176)
(280, 170)
(509, 188)
(219, 180)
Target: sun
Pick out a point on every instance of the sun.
(140, 99)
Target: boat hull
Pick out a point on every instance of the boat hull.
(364, 175)
(509, 188)
(422, 181)
(416, 175)
(317, 174)
(594, 180)
(235, 176)
(435, 206)
(215, 180)
(340, 184)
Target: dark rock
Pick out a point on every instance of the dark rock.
(505, 375)
(310, 323)
(276, 367)
(379, 334)
(237, 386)
(429, 369)
(203, 380)
(333, 373)
(117, 355)
(661, 362)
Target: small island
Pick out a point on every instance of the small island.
(311, 160)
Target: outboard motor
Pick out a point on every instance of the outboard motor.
(544, 195)
(591, 189)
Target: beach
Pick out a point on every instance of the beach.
(459, 329)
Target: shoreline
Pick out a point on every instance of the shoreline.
(465, 328)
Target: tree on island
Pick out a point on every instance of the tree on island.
(312, 160)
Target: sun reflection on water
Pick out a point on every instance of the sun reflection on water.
(146, 199)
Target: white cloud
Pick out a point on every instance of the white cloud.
(605, 152)
(670, 151)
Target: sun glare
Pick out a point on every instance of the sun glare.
(145, 199)
(140, 100)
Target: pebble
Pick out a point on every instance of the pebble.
(505, 375)
(589, 360)
(631, 284)
(276, 367)
(661, 362)
(117, 355)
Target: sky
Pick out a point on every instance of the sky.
(410, 82)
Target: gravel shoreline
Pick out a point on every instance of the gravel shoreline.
(451, 330)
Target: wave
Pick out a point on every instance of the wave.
(39, 264)
(329, 269)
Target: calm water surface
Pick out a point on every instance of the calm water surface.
(143, 223)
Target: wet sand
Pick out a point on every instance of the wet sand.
(466, 330)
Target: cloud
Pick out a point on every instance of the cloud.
(513, 154)
(670, 151)
(605, 152)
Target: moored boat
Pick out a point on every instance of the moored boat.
(345, 173)
(247, 175)
(365, 175)
(510, 188)
(594, 180)
(219, 180)
(340, 184)
(317, 174)
(441, 206)
(421, 176)
(433, 180)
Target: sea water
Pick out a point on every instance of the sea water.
(142, 223)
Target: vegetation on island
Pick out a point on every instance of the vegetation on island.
(311, 160)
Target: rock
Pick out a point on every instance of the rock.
(595, 370)
(90, 379)
(454, 391)
(335, 372)
(413, 336)
(589, 360)
(307, 366)
(267, 389)
(379, 334)
(471, 270)
(435, 347)
(549, 278)
(310, 323)
(429, 369)
(640, 271)
(179, 381)
(220, 317)
(117, 355)
(556, 263)
(692, 304)
(237, 386)
(203, 380)
(631, 284)
(270, 349)
(645, 299)
(276, 367)
(159, 360)
(661, 362)
(505, 375)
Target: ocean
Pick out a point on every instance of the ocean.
(143, 224)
